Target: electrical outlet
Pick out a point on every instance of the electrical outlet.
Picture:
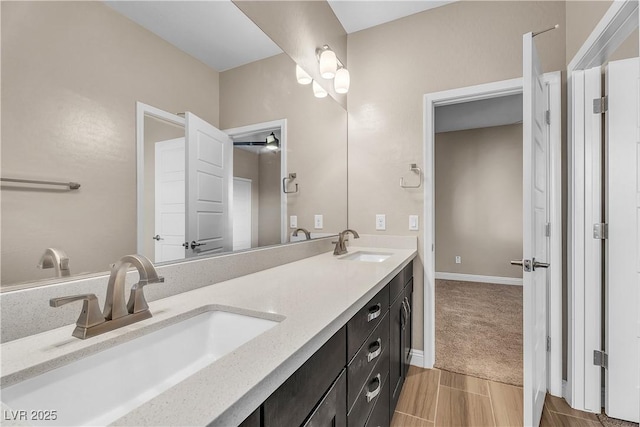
(413, 222)
(293, 221)
(317, 222)
(381, 222)
(458, 259)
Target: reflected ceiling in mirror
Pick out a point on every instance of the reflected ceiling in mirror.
(72, 73)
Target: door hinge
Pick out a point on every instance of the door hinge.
(600, 105)
(547, 229)
(548, 343)
(601, 231)
(600, 358)
(547, 117)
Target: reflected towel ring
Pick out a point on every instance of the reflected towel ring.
(414, 168)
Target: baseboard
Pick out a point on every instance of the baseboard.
(417, 358)
(482, 279)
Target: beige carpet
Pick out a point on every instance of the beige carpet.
(613, 422)
(479, 330)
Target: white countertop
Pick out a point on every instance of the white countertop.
(316, 296)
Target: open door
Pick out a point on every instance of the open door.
(535, 244)
(622, 376)
(209, 157)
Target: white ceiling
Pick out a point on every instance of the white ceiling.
(215, 32)
(356, 15)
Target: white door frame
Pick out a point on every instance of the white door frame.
(143, 110)
(475, 93)
(613, 29)
(272, 125)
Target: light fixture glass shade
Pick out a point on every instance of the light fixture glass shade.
(342, 81)
(318, 91)
(302, 76)
(273, 143)
(328, 64)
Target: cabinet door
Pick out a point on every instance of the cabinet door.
(396, 348)
(332, 410)
(408, 330)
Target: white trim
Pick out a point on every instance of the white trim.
(142, 110)
(281, 124)
(613, 29)
(554, 294)
(472, 93)
(417, 358)
(498, 280)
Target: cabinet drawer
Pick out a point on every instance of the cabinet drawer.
(399, 282)
(366, 398)
(380, 415)
(365, 320)
(365, 360)
(294, 400)
(332, 411)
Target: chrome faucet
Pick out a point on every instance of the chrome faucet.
(116, 313)
(56, 259)
(307, 235)
(341, 247)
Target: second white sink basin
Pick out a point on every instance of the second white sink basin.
(367, 256)
(103, 387)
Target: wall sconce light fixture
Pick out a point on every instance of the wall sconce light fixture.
(302, 76)
(330, 68)
(318, 91)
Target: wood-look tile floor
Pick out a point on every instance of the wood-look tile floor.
(431, 397)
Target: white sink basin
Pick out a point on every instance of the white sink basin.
(367, 256)
(103, 387)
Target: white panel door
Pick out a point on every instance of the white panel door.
(622, 396)
(208, 190)
(169, 200)
(241, 213)
(535, 244)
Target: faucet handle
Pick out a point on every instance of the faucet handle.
(137, 302)
(91, 314)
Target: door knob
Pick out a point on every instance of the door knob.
(195, 245)
(538, 264)
(530, 265)
(157, 237)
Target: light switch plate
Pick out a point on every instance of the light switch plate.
(293, 221)
(458, 259)
(317, 222)
(413, 222)
(381, 222)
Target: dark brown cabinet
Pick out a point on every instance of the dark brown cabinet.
(400, 330)
(356, 377)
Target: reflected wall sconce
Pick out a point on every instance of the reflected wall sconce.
(330, 68)
(302, 76)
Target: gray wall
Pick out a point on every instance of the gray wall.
(479, 200)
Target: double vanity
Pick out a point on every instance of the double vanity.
(324, 337)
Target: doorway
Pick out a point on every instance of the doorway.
(550, 324)
(478, 223)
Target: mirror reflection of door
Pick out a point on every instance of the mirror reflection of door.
(169, 200)
(163, 190)
(242, 224)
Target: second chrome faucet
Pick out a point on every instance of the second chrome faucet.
(116, 313)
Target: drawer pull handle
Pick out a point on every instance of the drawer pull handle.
(375, 353)
(374, 312)
(406, 299)
(373, 393)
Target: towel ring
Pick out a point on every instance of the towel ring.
(413, 168)
(291, 177)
